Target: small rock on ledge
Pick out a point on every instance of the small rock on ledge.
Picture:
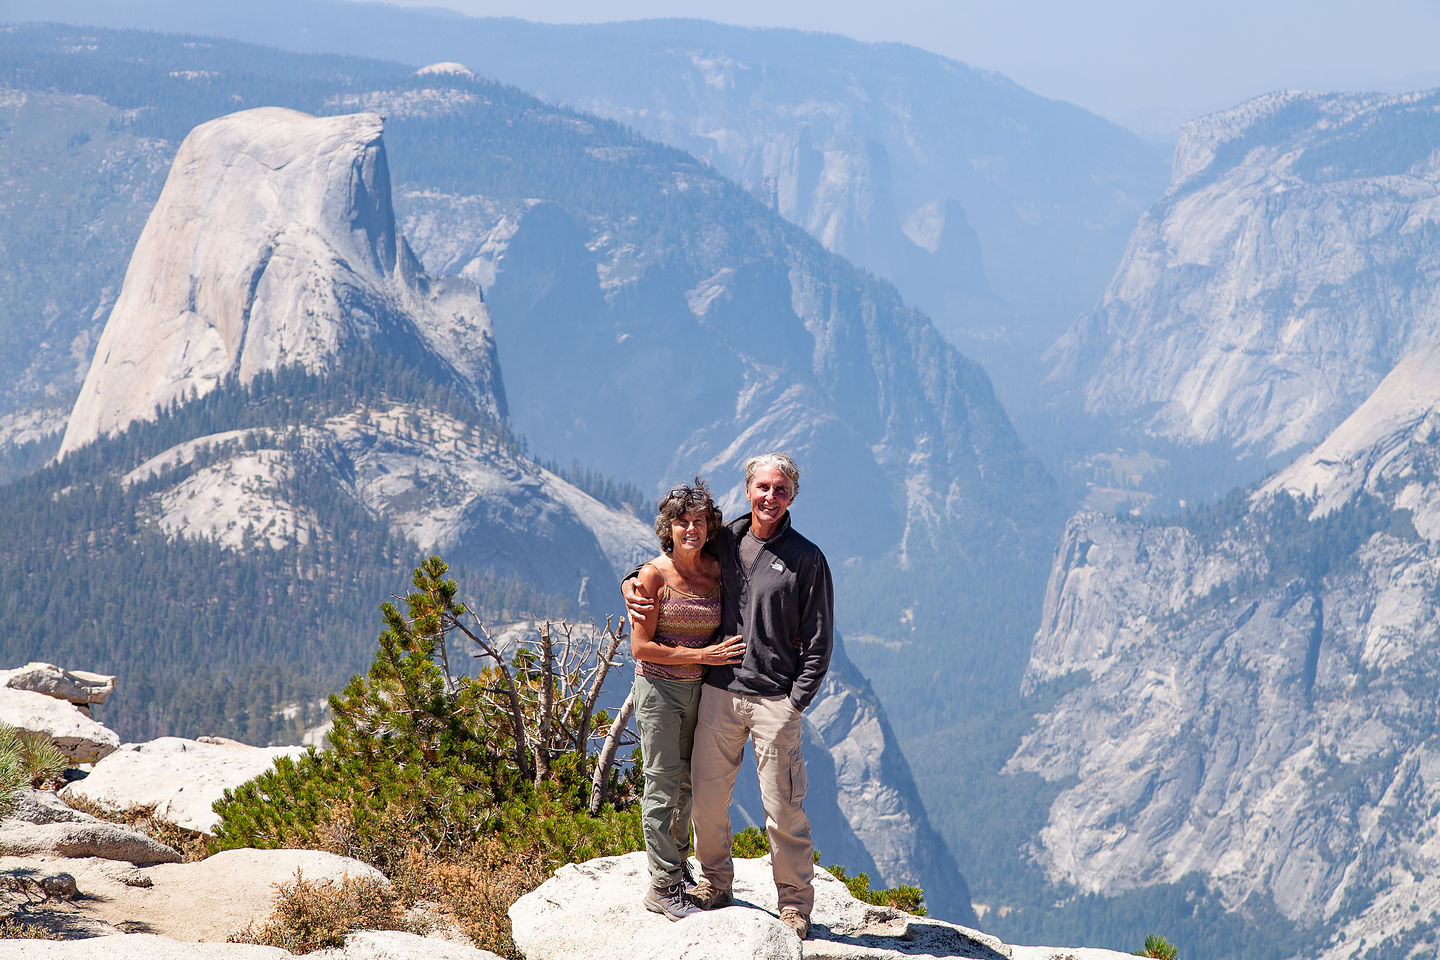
(78, 686)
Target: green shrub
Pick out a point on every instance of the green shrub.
(904, 897)
(1158, 947)
(426, 769)
(26, 759)
(750, 843)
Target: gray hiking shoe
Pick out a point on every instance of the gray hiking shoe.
(669, 901)
(796, 921)
(707, 896)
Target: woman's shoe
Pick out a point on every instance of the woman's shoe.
(670, 901)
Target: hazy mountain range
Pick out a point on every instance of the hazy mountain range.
(273, 251)
(998, 212)
(1222, 725)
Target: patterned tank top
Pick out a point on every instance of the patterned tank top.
(685, 620)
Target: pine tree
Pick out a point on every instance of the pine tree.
(421, 755)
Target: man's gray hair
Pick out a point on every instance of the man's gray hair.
(780, 461)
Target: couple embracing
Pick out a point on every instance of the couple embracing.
(731, 631)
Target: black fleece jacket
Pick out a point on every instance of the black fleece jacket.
(784, 606)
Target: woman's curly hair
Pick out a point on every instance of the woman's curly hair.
(683, 499)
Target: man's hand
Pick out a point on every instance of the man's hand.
(727, 651)
(641, 607)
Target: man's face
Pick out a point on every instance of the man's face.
(769, 494)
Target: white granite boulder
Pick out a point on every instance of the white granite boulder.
(42, 806)
(40, 825)
(180, 778)
(107, 841)
(587, 909)
(80, 738)
(77, 686)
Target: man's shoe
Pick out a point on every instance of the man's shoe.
(796, 921)
(669, 901)
(707, 896)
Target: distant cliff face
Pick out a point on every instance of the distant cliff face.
(876, 794)
(651, 351)
(1288, 268)
(956, 184)
(273, 243)
(273, 246)
(1259, 705)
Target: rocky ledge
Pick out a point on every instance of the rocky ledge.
(111, 892)
(593, 909)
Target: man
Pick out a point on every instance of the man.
(779, 597)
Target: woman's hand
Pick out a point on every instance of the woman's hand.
(728, 650)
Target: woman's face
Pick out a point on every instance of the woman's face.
(688, 531)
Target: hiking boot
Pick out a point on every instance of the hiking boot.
(670, 901)
(796, 921)
(707, 896)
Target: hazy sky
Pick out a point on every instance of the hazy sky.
(1144, 63)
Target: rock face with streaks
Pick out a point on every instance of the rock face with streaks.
(79, 687)
(1289, 267)
(876, 793)
(1256, 698)
(274, 247)
(272, 244)
(954, 183)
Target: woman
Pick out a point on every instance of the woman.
(672, 647)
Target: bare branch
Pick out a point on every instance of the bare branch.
(547, 704)
(598, 681)
(517, 715)
(607, 754)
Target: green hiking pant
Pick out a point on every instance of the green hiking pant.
(665, 711)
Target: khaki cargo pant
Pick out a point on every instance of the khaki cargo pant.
(726, 721)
